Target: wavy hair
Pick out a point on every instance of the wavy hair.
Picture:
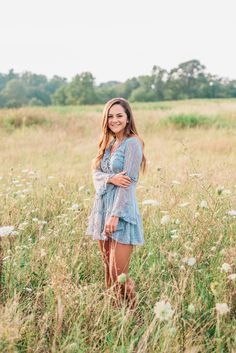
(130, 130)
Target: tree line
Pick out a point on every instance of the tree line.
(188, 80)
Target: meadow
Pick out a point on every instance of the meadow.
(53, 296)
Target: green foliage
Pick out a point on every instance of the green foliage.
(188, 120)
(14, 121)
(186, 81)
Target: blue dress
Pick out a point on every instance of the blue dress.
(114, 200)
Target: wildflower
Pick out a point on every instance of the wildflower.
(203, 204)
(61, 186)
(232, 213)
(7, 230)
(81, 187)
(226, 267)
(226, 192)
(165, 219)
(191, 261)
(43, 253)
(191, 309)
(51, 177)
(232, 277)
(151, 202)
(196, 215)
(222, 308)
(220, 189)
(75, 206)
(176, 182)
(163, 310)
(122, 278)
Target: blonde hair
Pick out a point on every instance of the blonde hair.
(130, 130)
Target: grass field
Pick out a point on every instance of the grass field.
(53, 294)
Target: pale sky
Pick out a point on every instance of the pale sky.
(116, 40)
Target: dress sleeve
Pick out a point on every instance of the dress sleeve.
(124, 201)
(100, 181)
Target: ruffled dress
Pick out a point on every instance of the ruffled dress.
(114, 200)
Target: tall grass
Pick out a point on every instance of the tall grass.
(54, 298)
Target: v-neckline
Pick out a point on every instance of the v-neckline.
(112, 143)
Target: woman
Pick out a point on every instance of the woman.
(115, 220)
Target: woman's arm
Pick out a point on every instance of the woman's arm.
(124, 206)
(100, 181)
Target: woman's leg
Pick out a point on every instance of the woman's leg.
(119, 257)
(104, 246)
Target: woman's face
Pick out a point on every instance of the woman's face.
(117, 119)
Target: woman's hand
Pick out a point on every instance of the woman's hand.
(120, 180)
(111, 225)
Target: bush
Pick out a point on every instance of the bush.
(188, 120)
(11, 122)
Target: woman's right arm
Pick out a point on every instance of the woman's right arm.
(100, 181)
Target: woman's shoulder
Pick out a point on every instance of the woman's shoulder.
(134, 140)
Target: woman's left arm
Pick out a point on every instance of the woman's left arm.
(123, 206)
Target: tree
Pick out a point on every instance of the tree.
(81, 89)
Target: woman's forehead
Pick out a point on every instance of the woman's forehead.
(116, 108)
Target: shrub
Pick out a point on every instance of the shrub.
(188, 120)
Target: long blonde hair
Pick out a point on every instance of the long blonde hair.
(130, 130)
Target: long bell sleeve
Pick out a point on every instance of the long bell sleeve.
(124, 202)
(100, 181)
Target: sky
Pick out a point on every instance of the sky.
(116, 40)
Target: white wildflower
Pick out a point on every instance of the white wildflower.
(191, 261)
(222, 308)
(232, 213)
(226, 192)
(220, 189)
(232, 277)
(196, 215)
(81, 187)
(176, 182)
(191, 309)
(23, 225)
(61, 186)
(163, 310)
(165, 219)
(43, 253)
(151, 202)
(226, 267)
(75, 206)
(6, 230)
(203, 204)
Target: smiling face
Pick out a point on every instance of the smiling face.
(117, 120)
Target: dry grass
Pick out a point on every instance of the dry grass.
(54, 299)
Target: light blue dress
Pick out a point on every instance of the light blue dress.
(114, 200)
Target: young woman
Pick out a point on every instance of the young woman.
(115, 219)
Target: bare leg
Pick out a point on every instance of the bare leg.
(104, 246)
(120, 255)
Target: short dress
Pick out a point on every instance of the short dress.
(114, 200)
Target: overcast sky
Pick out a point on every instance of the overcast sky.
(116, 40)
